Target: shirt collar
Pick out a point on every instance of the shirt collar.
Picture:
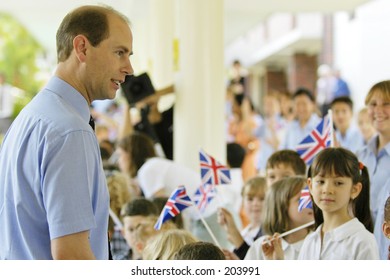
(285, 244)
(373, 146)
(342, 232)
(70, 95)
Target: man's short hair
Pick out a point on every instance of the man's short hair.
(90, 21)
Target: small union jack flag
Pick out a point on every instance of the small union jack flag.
(318, 139)
(305, 200)
(212, 172)
(177, 202)
(203, 196)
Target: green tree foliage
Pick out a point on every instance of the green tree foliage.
(18, 56)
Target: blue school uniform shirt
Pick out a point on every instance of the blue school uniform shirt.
(52, 182)
(295, 133)
(352, 140)
(378, 169)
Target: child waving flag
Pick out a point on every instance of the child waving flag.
(177, 202)
(319, 138)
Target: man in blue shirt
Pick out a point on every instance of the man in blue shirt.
(53, 194)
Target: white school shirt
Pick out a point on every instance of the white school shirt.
(350, 241)
(249, 233)
(291, 251)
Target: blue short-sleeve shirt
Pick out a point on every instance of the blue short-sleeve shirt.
(52, 182)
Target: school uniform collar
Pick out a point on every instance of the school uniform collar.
(342, 232)
(285, 244)
(372, 146)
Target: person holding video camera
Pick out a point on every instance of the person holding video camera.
(141, 94)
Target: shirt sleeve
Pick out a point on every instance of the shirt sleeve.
(67, 174)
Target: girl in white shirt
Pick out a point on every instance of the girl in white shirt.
(339, 186)
(280, 215)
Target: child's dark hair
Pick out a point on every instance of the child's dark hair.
(199, 251)
(139, 207)
(306, 92)
(342, 162)
(343, 99)
(235, 155)
(287, 157)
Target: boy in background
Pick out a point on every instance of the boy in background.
(282, 164)
(134, 214)
(347, 132)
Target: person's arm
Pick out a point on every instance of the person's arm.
(225, 219)
(72, 247)
(126, 127)
(152, 99)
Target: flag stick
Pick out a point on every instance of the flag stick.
(331, 128)
(296, 229)
(208, 228)
(293, 230)
(116, 220)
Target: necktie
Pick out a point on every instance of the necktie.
(92, 122)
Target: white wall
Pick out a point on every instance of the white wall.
(362, 47)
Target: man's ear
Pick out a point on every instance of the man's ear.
(80, 43)
(356, 189)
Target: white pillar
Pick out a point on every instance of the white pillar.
(200, 89)
(141, 43)
(162, 20)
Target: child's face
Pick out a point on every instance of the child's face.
(379, 112)
(298, 218)
(303, 107)
(253, 206)
(278, 172)
(130, 224)
(365, 125)
(332, 193)
(342, 115)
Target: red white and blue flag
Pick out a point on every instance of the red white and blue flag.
(203, 196)
(305, 200)
(318, 139)
(177, 202)
(213, 172)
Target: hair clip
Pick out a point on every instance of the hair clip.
(361, 165)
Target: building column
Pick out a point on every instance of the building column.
(302, 72)
(199, 81)
(162, 32)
